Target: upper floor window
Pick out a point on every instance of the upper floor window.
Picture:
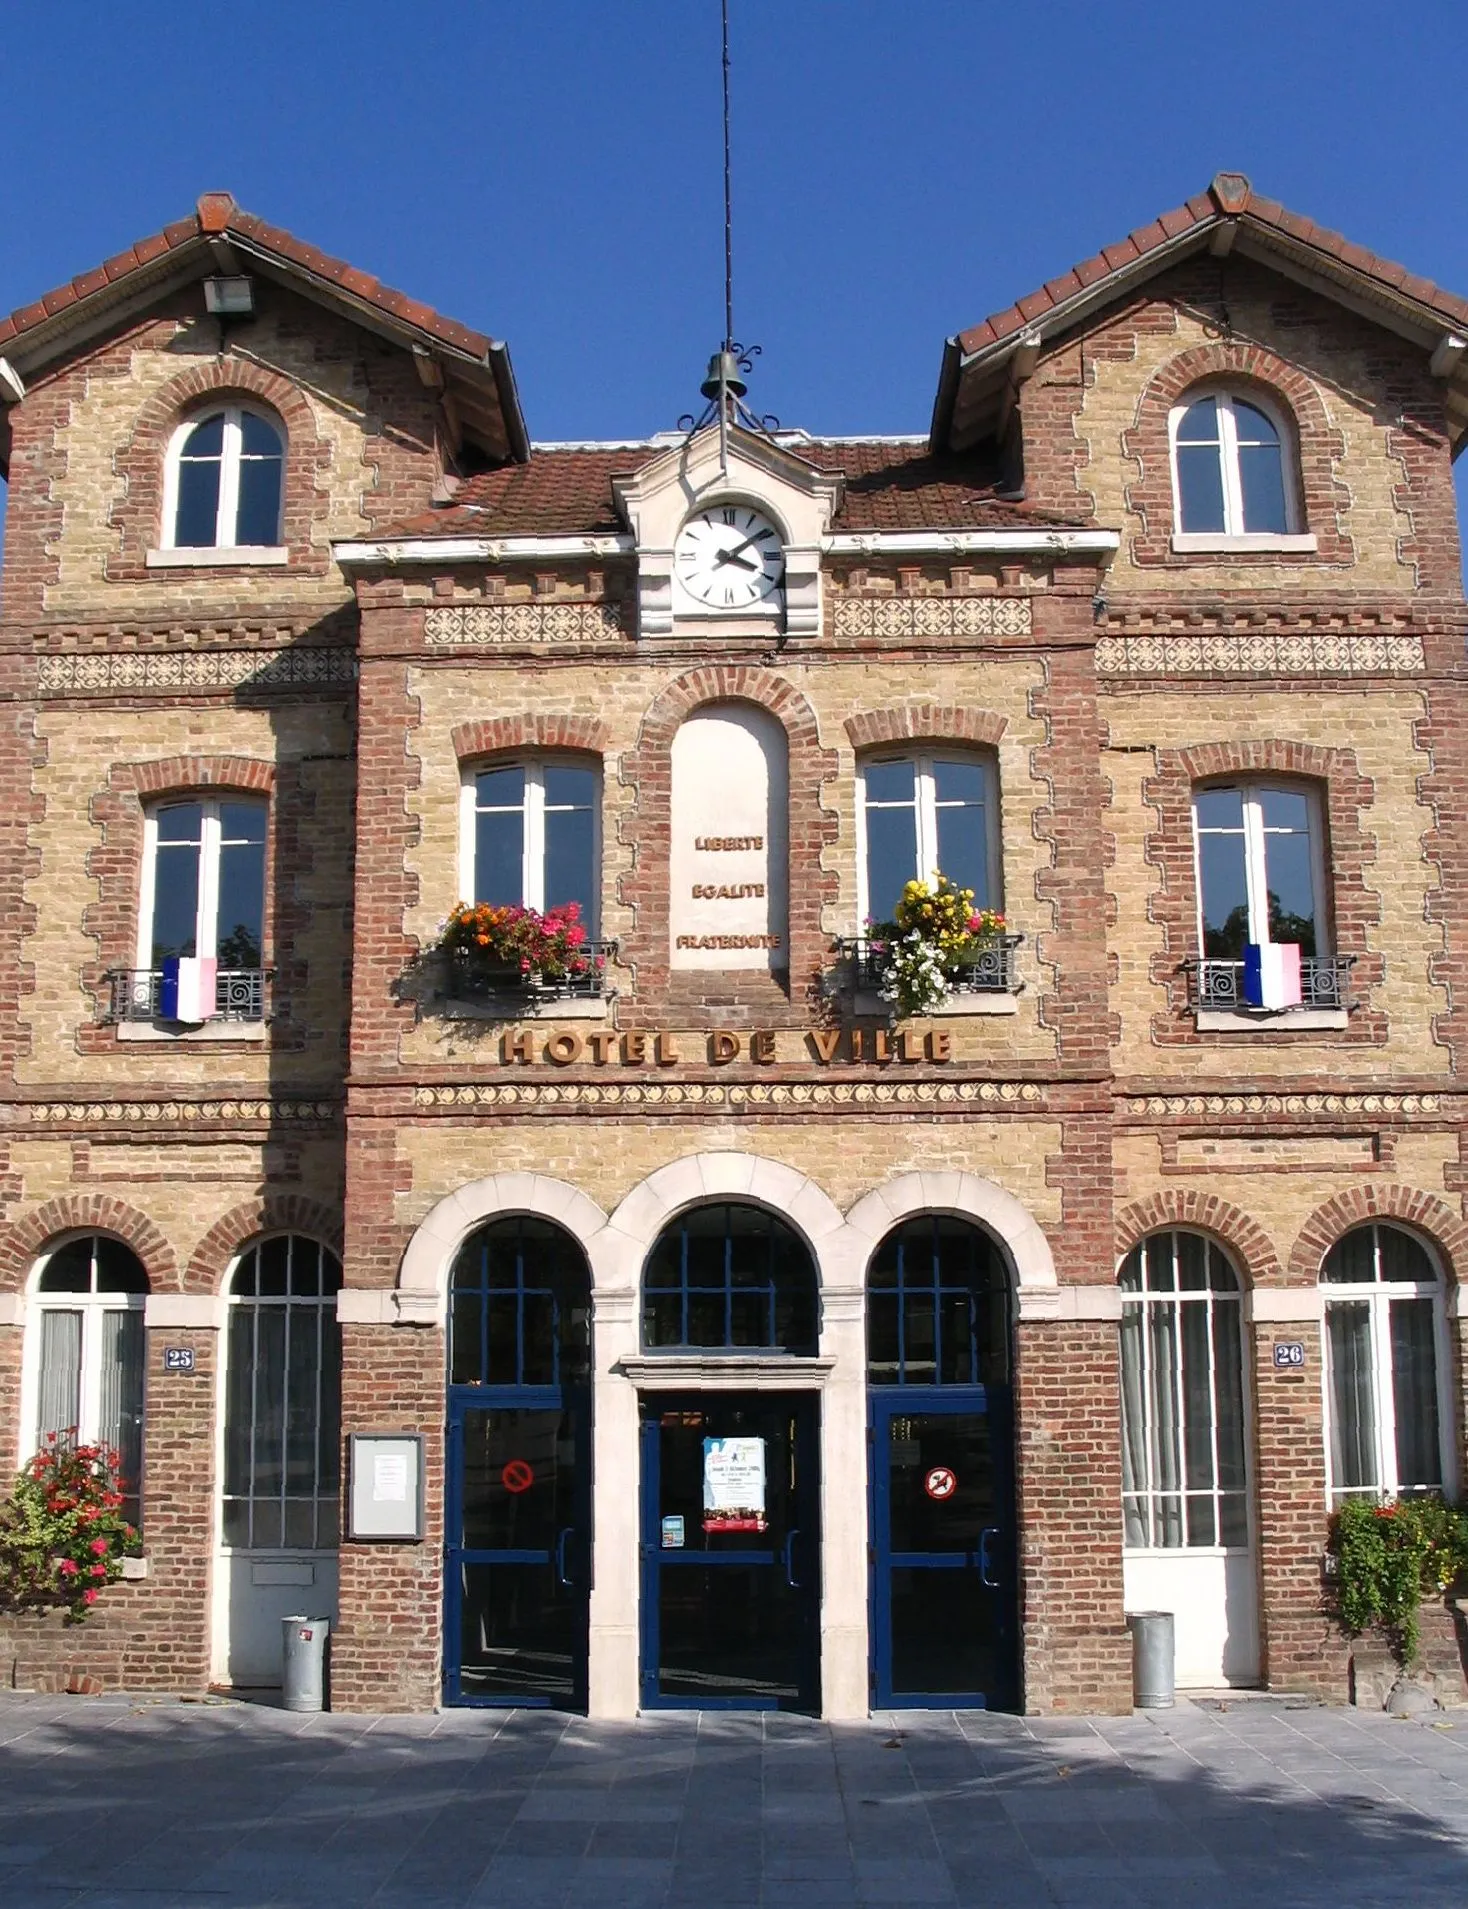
(223, 482)
(87, 1362)
(1230, 468)
(919, 814)
(203, 883)
(1386, 1348)
(529, 834)
(1261, 874)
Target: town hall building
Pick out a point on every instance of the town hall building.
(689, 1316)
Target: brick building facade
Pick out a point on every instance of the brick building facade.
(1088, 1291)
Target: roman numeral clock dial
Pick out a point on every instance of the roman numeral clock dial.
(729, 558)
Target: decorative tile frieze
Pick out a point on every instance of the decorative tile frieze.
(753, 1096)
(1262, 653)
(511, 625)
(1247, 1106)
(904, 619)
(171, 1113)
(134, 672)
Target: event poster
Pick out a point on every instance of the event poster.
(734, 1484)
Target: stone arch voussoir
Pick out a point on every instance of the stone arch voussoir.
(85, 1213)
(968, 1197)
(1358, 1205)
(273, 1213)
(1243, 1239)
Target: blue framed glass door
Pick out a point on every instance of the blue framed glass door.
(944, 1625)
(731, 1592)
(517, 1560)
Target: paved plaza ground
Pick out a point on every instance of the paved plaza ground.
(144, 1803)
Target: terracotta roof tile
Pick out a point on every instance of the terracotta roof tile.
(568, 492)
(219, 214)
(1203, 209)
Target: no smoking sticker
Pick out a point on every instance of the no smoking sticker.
(940, 1482)
(517, 1476)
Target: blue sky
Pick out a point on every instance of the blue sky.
(549, 170)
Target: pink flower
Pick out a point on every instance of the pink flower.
(67, 1567)
(98, 1547)
(98, 1571)
(89, 1597)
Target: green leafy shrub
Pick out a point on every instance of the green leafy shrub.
(1388, 1557)
(62, 1533)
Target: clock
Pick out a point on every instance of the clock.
(729, 557)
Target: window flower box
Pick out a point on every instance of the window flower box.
(509, 960)
(939, 955)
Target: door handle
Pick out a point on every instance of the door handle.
(986, 1563)
(563, 1538)
(790, 1577)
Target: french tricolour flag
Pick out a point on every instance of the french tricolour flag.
(186, 990)
(1272, 974)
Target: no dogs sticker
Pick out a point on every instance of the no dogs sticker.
(940, 1482)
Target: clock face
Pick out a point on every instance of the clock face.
(729, 557)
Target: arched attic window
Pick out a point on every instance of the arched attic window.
(1233, 466)
(223, 481)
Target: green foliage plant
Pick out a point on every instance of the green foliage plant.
(62, 1533)
(1388, 1556)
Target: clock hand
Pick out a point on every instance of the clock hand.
(732, 556)
(747, 542)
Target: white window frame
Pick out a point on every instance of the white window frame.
(89, 1384)
(1378, 1295)
(1235, 535)
(227, 516)
(206, 926)
(1255, 874)
(532, 863)
(1213, 1298)
(925, 790)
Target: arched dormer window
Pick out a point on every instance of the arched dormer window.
(223, 481)
(1233, 468)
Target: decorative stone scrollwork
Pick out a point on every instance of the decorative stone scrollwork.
(1243, 1106)
(835, 1095)
(509, 625)
(925, 619)
(1261, 653)
(130, 672)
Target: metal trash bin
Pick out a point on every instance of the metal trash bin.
(303, 1686)
(1154, 1659)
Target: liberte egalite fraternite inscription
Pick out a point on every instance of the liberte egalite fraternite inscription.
(728, 849)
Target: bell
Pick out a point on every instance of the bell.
(723, 369)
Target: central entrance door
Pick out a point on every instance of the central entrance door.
(517, 1516)
(731, 1550)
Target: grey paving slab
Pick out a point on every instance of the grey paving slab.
(140, 1802)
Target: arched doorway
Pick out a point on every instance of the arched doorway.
(944, 1606)
(517, 1516)
(731, 1538)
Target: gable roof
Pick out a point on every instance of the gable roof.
(888, 485)
(222, 239)
(991, 359)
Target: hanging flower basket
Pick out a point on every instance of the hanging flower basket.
(935, 938)
(505, 948)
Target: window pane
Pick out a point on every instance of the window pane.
(890, 781)
(1134, 1475)
(499, 856)
(569, 870)
(1200, 488)
(241, 923)
(273, 1262)
(238, 1395)
(1130, 1276)
(882, 1362)
(257, 438)
(1402, 1258)
(1353, 1412)
(567, 787)
(119, 1270)
(1199, 423)
(195, 526)
(963, 850)
(206, 439)
(1414, 1394)
(176, 883)
(303, 1367)
(120, 1418)
(1161, 1263)
(1228, 1391)
(1219, 808)
(1192, 1262)
(1165, 1431)
(1252, 425)
(1261, 479)
(258, 521)
(1197, 1403)
(960, 782)
(1225, 895)
(1352, 1259)
(500, 788)
(69, 1269)
(1291, 885)
(891, 858)
(268, 1454)
(59, 1406)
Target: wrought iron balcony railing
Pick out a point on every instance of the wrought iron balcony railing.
(992, 970)
(239, 994)
(1324, 983)
(465, 983)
